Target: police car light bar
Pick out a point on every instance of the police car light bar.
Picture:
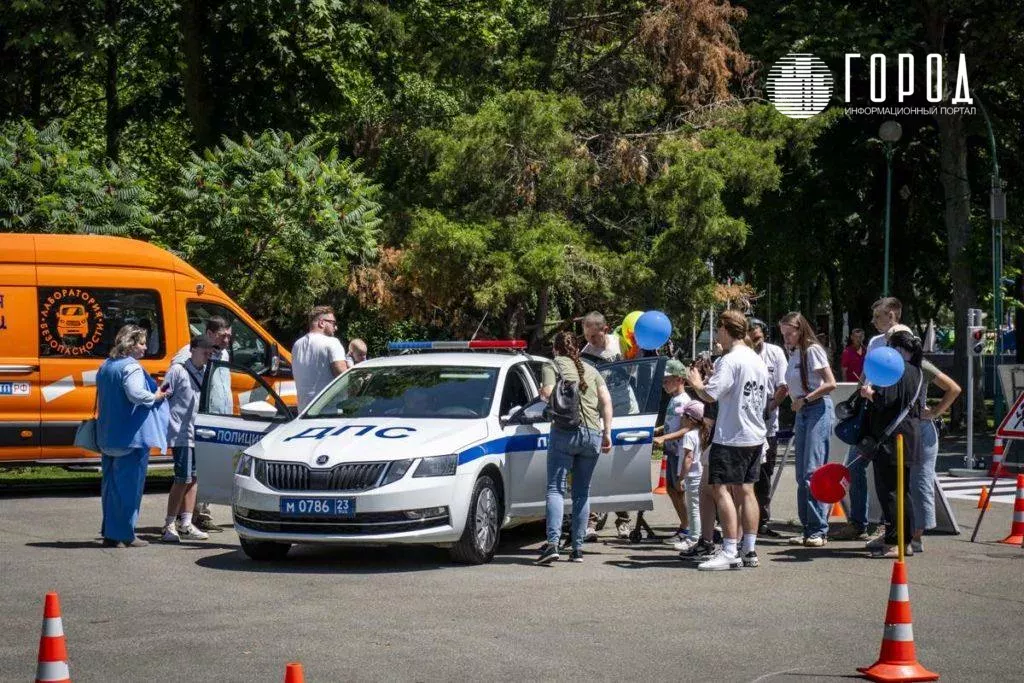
(456, 345)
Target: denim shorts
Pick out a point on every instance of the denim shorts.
(184, 464)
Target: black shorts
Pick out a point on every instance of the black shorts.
(671, 469)
(734, 464)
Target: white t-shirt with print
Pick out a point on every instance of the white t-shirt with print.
(312, 356)
(691, 442)
(674, 421)
(740, 386)
(817, 359)
(775, 360)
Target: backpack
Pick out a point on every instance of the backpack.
(564, 404)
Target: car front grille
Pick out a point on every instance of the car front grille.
(288, 476)
(361, 524)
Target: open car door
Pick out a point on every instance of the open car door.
(622, 479)
(226, 426)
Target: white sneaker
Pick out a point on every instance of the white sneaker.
(720, 561)
(684, 544)
(191, 533)
(170, 534)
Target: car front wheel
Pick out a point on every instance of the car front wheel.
(483, 525)
(264, 551)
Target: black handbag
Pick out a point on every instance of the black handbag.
(869, 446)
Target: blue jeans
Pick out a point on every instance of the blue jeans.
(922, 477)
(858, 488)
(573, 451)
(810, 436)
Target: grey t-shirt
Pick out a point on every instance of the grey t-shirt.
(588, 399)
(186, 381)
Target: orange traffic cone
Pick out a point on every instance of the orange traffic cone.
(293, 673)
(898, 660)
(53, 651)
(995, 469)
(983, 502)
(662, 488)
(837, 511)
(1016, 536)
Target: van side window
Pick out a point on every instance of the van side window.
(82, 322)
(248, 350)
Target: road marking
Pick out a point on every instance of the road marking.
(969, 488)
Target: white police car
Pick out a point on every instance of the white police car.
(436, 448)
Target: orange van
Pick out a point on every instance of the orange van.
(62, 300)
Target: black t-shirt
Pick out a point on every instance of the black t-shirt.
(887, 405)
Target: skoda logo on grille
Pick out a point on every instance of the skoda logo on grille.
(322, 460)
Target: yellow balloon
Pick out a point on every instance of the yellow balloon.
(629, 322)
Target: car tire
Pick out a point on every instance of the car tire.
(264, 551)
(483, 525)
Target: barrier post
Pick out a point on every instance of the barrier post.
(900, 540)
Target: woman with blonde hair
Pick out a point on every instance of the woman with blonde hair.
(131, 418)
(810, 381)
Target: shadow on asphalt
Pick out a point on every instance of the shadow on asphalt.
(97, 544)
(346, 559)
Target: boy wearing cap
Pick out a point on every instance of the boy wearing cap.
(671, 434)
(185, 383)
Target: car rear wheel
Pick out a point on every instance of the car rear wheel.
(264, 551)
(483, 525)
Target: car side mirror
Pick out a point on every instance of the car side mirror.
(275, 360)
(533, 412)
(512, 416)
(259, 410)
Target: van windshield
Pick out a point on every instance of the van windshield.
(409, 391)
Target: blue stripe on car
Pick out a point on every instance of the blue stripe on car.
(529, 443)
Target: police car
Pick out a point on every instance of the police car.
(443, 444)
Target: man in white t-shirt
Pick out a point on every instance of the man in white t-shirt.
(318, 357)
(606, 347)
(775, 361)
(739, 385)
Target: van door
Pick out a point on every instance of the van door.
(622, 479)
(79, 311)
(19, 364)
(223, 431)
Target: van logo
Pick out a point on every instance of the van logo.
(322, 460)
(71, 321)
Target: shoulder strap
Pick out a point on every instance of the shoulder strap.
(899, 418)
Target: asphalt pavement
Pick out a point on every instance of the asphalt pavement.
(202, 611)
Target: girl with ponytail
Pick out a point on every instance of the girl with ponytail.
(573, 449)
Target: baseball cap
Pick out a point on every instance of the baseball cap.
(694, 410)
(756, 322)
(675, 368)
(898, 328)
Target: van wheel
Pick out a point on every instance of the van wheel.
(483, 525)
(264, 551)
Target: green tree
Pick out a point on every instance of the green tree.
(47, 186)
(276, 222)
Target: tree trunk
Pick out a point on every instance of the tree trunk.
(112, 126)
(198, 101)
(549, 51)
(832, 274)
(957, 191)
(543, 302)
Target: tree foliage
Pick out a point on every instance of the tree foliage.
(278, 222)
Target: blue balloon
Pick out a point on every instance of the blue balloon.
(652, 330)
(883, 367)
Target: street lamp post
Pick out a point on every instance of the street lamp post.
(890, 132)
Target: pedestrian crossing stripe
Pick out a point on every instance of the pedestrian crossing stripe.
(969, 488)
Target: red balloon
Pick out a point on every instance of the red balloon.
(829, 482)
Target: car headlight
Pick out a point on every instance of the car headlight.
(243, 464)
(437, 466)
(396, 471)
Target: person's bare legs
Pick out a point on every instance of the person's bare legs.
(177, 496)
(707, 512)
(726, 512)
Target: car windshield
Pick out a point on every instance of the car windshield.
(437, 391)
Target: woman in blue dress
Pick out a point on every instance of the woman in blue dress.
(131, 419)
